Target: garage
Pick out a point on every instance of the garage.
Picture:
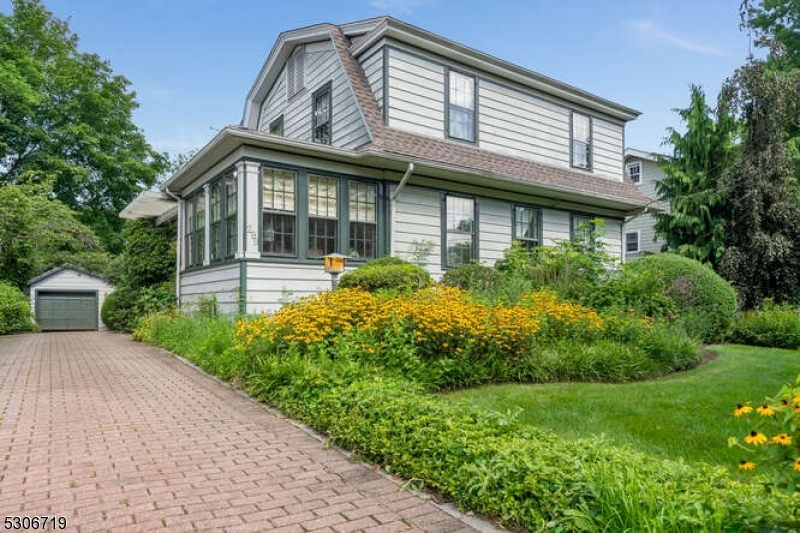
(68, 299)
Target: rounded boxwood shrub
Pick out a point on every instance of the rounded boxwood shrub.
(706, 303)
(15, 310)
(387, 273)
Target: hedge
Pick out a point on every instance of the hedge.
(15, 310)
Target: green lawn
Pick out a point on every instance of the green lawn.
(686, 415)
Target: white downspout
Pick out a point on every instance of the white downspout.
(403, 181)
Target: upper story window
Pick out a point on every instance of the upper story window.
(279, 217)
(461, 106)
(295, 67)
(527, 226)
(276, 126)
(581, 141)
(321, 115)
(634, 172)
(459, 232)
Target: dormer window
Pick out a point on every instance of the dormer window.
(461, 106)
(295, 70)
(581, 141)
(321, 115)
(634, 172)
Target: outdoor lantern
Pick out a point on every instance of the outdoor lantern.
(334, 265)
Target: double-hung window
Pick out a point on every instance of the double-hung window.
(581, 141)
(582, 230)
(632, 241)
(461, 106)
(459, 230)
(323, 219)
(215, 221)
(276, 126)
(195, 225)
(527, 226)
(363, 219)
(634, 172)
(279, 218)
(231, 223)
(321, 115)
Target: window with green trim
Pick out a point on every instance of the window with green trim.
(362, 213)
(215, 221)
(195, 229)
(461, 106)
(231, 222)
(321, 115)
(582, 230)
(276, 126)
(322, 215)
(279, 218)
(527, 226)
(459, 231)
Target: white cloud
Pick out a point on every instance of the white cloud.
(405, 7)
(649, 30)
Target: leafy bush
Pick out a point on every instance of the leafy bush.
(773, 326)
(15, 310)
(125, 306)
(705, 302)
(387, 273)
(472, 277)
(487, 462)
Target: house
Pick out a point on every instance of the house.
(377, 137)
(68, 299)
(639, 231)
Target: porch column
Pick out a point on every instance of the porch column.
(250, 215)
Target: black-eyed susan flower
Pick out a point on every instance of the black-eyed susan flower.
(765, 410)
(747, 465)
(783, 439)
(755, 438)
(797, 464)
(742, 410)
(784, 404)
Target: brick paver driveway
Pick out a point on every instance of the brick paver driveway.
(120, 436)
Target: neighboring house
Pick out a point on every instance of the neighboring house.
(68, 299)
(639, 235)
(375, 138)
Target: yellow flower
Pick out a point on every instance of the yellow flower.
(797, 464)
(783, 439)
(765, 410)
(747, 465)
(755, 438)
(742, 410)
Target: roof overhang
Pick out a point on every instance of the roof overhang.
(390, 166)
(403, 32)
(150, 205)
(641, 154)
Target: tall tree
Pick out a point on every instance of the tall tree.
(65, 121)
(777, 26)
(762, 258)
(695, 225)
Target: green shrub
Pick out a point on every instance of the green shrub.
(774, 327)
(124, 307)
(15, 310)
(705, 302)
(473, 277)
(387, 273)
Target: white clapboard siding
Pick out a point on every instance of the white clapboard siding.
(271, 285)
(607, 148)
(221, 282)
(494, 229)
(520, 124)
(416, 94)
(555, 226)
(612, 238)
(372, 63)
(645, 225)
(416, 218)
(322, 65)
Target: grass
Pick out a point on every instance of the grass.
(686, 415)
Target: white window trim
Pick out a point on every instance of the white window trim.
(628, 172)
(638, 242)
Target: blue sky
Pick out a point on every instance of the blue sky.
(192, 63)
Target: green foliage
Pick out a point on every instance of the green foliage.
(473, 277)
(387, 273)
(774, 326)
(635, 288)
(705, 302)
(148, 257)
(776, 22)
(66, 121)
(487, 462)
(15, 311)
(38, 233)
(762, 259)
(123, 308)
(695, 225)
